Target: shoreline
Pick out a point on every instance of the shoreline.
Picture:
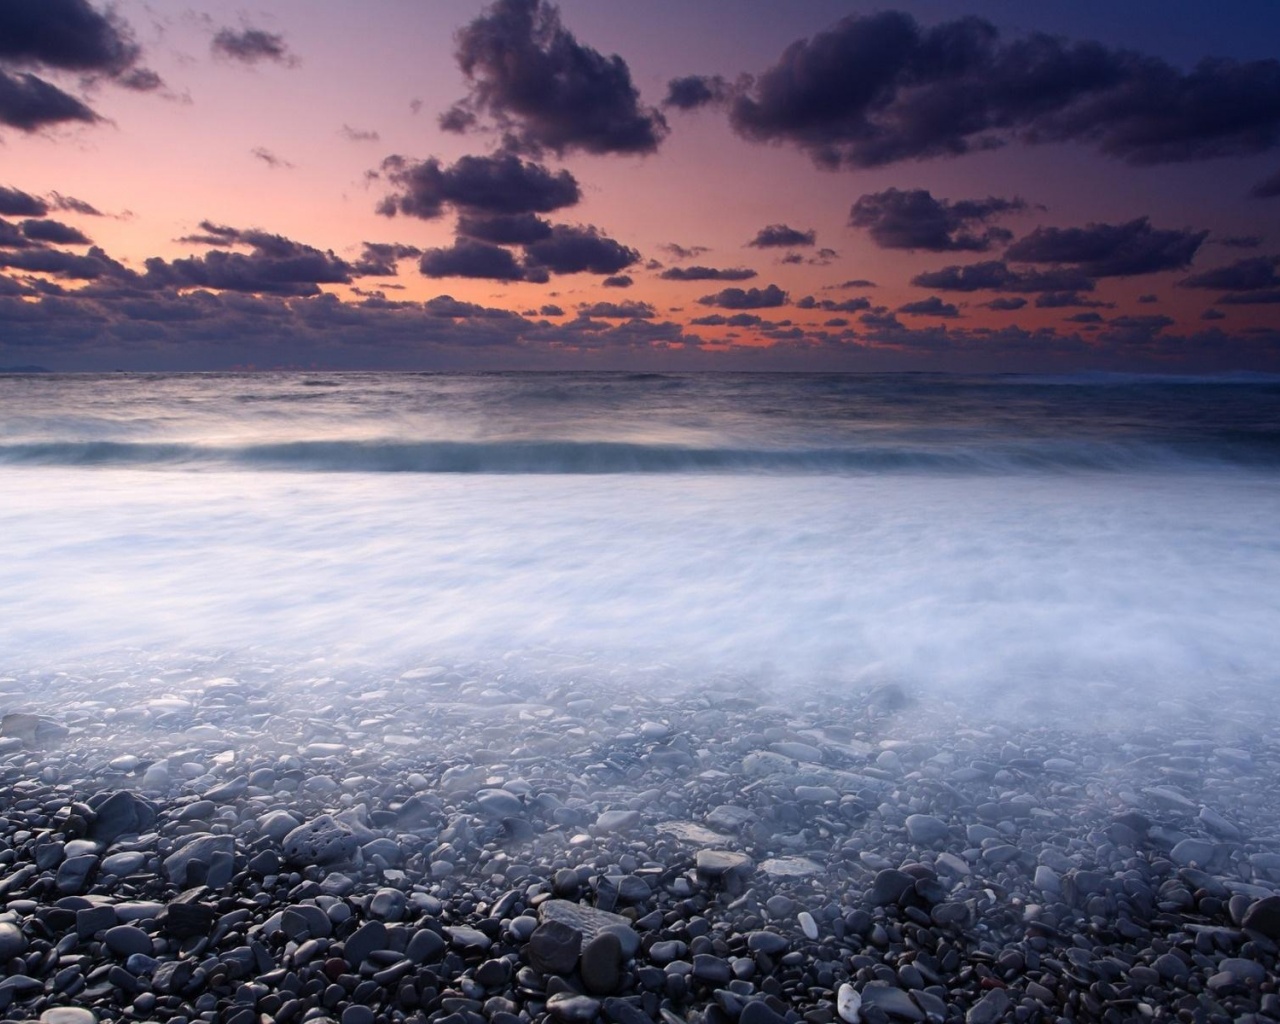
(444, 848)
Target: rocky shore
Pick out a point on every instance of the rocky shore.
(439, 846)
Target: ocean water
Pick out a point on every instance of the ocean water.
(1020, 540)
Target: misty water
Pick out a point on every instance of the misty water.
(1043, 540)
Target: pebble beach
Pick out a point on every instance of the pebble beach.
(443, 844)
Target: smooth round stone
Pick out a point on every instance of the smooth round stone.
(667, 950)
(892, 1000)
(356, 1014)
(926, 829)
(68, 1015)
(498, 803)
(125, 940)
(387, 905)
(757, 1011)
(462, 937)
(122, 864)
(12, 941)
(425, 947)
(849, 1004)
(770, 943)
(617, 821)
(808, 925)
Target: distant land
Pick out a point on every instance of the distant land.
(25, 369)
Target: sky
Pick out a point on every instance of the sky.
(732, 184)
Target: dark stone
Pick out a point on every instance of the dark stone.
(601, 964)
(553, 948)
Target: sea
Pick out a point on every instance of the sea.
(1018, 541)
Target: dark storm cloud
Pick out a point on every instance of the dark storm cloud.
(1247, 275)
(531, 74)
(693, 91)
(1109, 250)
(750, 298)
(875, 89)
(779, 235)
(932, 306)
(252, 45)
(1005, 305)
(618, 310)
(572, 250)
(54, 232)
(378, 259)
(995, 275)
(697, 273)
(469, 258)
(505, 228)
(16, 203)
(1268, 188)
(914, 219)
(501, 184)
(618, 281)
(30, 103)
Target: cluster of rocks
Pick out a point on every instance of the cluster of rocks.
(429, 847)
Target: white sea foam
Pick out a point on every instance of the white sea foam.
(1153, 583)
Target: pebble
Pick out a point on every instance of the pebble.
(925, 829)
(323, 840)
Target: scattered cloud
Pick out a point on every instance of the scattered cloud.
(1237, 241)
(252, 46)
(750, 298)
(720, 320)
(469, 258)
(693, 91)
(932, 306)
(379, 259)
(680, 252)
(16, 203)
(1005, 304)
(881, 88)
(503, 184)
(30, 103)
(618, 281)
(618, 310)
(699, 273)
(54, 232)
(914, 219)
(780, 235)
(505, 228)
(270, 159)
(1248, 275)
(1068, 300)
(1213, 314)
(572, 250)
(358, 134)
(831, 306)
(1109, 250)
(547, 90)
(996, 275)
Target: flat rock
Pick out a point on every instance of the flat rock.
(592, 922)
(122, 813)
(791, 867)
(989, 1009)
(729, 817)
(717, 864)
(553, 948)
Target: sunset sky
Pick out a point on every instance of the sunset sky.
(736, 184)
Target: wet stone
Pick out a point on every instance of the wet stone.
(600, 965)
(124, 940)
(891, 1000)
(925, 829)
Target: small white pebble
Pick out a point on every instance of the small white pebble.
(807, 924)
